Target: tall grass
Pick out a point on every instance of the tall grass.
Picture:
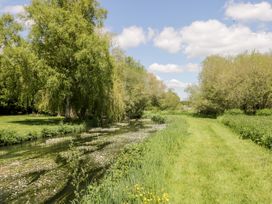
(140, 173)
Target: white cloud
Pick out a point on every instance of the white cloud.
(191, 67)
(169, 39)
(130, 37)
(14, 9)
(179, 87)
(165, 68)
(203, 38)
(150, 33)
(176, 84)
(174, 68)
(249, 11)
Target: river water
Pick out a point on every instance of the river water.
(52, 170)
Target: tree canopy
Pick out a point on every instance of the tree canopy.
(243, 82)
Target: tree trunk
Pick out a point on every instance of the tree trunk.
(82, 113)
(67, 109)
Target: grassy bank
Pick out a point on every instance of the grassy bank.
(256, 128)
(140, 173)
(215, 166)
(17, 129)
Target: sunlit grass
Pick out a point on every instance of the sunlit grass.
(215, 166)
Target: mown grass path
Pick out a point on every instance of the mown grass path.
(215, 166)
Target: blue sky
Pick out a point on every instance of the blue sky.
(171, 38)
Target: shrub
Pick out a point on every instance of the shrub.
(32, 135)
(158, 119)
(264, 112)
(256, 128)
(65, 129)
(49, 132)
(234, 112)
(8, 137)
(62, 130)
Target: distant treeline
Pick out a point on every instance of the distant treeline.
(243, 82)
(66, 65)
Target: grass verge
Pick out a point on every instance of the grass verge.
(140, 173)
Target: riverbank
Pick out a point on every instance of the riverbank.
(21, 128)
(139, 175)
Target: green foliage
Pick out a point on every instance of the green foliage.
(18, 129)
(66, 66)
(233, 112)
(242, 82)
(9, 31)
(61, 130)
(81, 78)
(264, 112)
(158, 119)
(256, 128)
(140, 89)
(8, 137)
(140, 173)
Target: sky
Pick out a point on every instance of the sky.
(172, 38)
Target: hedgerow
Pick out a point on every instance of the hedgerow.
(10, 137)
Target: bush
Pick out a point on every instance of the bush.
(234, 112)
(65, 129)
(61, 130)
(32, 135)
(264, 112)
(49, 132)
(8, 137)
(256, 128)
(158, 119)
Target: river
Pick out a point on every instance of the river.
(52, 170)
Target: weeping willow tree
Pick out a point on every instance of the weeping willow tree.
(20, 69)
(80, 74)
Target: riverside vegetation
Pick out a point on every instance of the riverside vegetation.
(18, 129)
(66, 73)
